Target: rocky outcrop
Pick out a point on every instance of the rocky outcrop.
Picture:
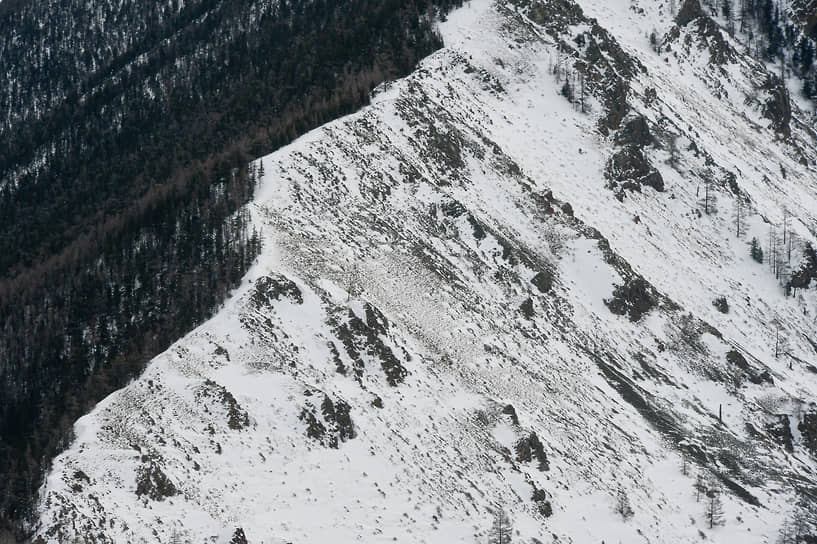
(777, 107)
(631, 168)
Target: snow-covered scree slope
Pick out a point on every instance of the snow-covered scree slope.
(476, 294)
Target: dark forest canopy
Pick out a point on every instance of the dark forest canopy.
(124, 151)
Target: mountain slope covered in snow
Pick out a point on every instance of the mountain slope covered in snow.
(521, 279)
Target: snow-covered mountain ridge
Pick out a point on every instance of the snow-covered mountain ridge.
(516, 281)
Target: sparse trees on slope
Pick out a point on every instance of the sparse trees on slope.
(714, 508)
(501, 528)
(740, 217)
(700, 486)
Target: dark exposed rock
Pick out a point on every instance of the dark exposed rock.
(530, 448)
(709, 35)
(237, 417)
(314, 428)
(453, 209)
(340, 368)
(360, 336)
(780, 431)
(630, 164)
(808, 430)
(527, 308)
(763, 377)
(807, 272)
(543, 281)
(509, 410)
(273, 287)
(375, 319)
(615, 103)
(635, 131)
(238, 536)
(735, 358)
(542, 502)
(337, 415)
(634, 298)
(152, 482)
(777, 107)
(557, 14)
(333, 426)
(479, 231)
(605, 65)
(721, 305)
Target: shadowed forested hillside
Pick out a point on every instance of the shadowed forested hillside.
(126, 132)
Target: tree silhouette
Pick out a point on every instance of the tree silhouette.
(501, 528)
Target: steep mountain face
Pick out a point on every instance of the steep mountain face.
(564, 269)
(125, 134)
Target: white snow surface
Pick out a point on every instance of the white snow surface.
(411, 232)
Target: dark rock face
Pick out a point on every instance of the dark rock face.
(479, 230)
(237, 417)
(238, 536)
(152, 482)
(635, 131)
(780, 431)
(735, 358)
(527, 308)
(453, 208)
(807, 272)
(359, 336)
(530, 448)
(337, 414)
(543, 281)
(630, 165)
(690, 10)
(808, 429)
(542, 502)
(721, 304)
(777, 107)
(709, 35)
(274, 287)
(615, 104)
(509, 410)
(334, 424)
(634, 299)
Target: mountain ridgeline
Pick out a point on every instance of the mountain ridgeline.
(562, 269)
(124, 150)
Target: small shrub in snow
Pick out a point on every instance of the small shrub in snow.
(623, 507)
(721, 305)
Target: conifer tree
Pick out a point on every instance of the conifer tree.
(501, 528)
(714, 508)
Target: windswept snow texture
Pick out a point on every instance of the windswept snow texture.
(456, 312)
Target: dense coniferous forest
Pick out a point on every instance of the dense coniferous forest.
(773, 35)
(124, 151)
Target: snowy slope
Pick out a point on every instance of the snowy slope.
(428, 335)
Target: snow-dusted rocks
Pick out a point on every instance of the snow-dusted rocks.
(454, 314)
